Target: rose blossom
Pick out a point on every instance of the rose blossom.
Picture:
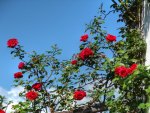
(79, 95)
(110, 38)
(31, 95)
(21, 65)
(18, 75)
(12, 42)
(84, 38)
(85, 53)
(37, 86)
(132, 68)
(2, 111)
(74, 62)
(121, 71)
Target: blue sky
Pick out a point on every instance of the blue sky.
(38, 24)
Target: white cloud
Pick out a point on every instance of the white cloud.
(11, 95)
(84, 100)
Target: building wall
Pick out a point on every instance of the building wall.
(146, 23)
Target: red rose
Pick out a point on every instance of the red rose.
(18, 75)
(110, 38)
(132, 68)
(79, 95)
(74, 62)
(21, 65)
(84, 38)
(121, 71)
(37, 86)
(85, 53)
(130, 71)
(31, 95)
(12, 42)
(2, 111)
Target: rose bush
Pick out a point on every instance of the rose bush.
(119, 77)
(102, 84)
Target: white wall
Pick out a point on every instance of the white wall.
(146, 23)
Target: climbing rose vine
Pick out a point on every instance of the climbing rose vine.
(103, 72)
(38, 85)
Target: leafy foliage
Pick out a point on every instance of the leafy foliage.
(95, 74)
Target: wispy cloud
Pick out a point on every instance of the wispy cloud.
(11, 95)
